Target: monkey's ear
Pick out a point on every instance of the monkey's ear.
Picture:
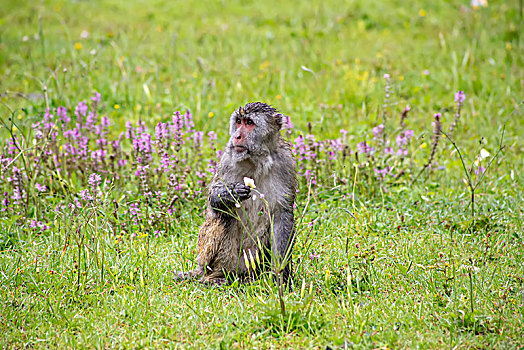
(279, 120)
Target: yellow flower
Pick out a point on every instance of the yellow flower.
(264, 65)
(211, 114)
(422, 13)
(508, 46)
(78, 46)
(279, 97)
(116, 106)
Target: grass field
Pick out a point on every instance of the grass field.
(102, 186)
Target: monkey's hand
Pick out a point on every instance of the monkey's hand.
(223, 197)
(242, 191)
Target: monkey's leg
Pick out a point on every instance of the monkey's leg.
(282, 242)
(215, 278)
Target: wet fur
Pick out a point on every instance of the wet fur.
(228, 235)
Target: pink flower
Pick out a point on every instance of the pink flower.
(460, 97)
(94, 180)
(96, 97)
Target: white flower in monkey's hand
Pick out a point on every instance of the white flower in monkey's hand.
(249, 182)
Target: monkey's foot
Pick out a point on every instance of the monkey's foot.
(217, 282)
(183, 276)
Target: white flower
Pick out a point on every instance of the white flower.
(484, 154)
(249, 182)
(479, 3)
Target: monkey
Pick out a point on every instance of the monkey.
(240, 227)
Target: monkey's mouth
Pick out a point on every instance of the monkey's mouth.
(240, 149)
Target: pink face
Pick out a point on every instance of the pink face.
(244, 127)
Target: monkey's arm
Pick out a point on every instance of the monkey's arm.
(283, 236)
(223, 197)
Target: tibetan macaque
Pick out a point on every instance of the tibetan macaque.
(245, 227)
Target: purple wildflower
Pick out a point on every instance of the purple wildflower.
(94, 180)
(61, 112)
(40, 188)
(85, 195)
(382, 173)
(81, 109)
(188, 121)
(480, 170)
(287, 124)
(460, 97)
(314, 257)
(90, 121)
(96, 97)
(364, 148)
(377, 131)
(105, 122)
(198, 138)
(404, 115)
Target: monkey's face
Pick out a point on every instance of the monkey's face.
(244, 128)
(254, 131)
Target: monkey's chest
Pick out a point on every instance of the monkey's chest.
(254, 221)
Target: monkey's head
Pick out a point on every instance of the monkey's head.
(254, 131)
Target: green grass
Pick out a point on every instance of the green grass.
(408, 268)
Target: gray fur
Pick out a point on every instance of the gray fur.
(224, 239)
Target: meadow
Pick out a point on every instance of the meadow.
(406, 120)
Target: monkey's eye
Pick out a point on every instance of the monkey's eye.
(249, 122)
(238, 121)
